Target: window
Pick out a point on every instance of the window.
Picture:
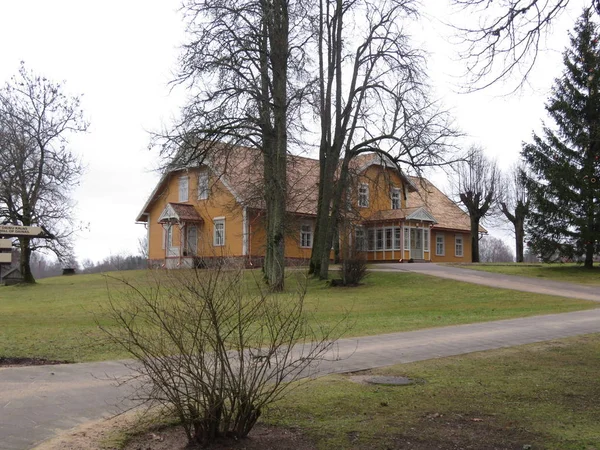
(371, 236)
(395, 194)
(183, 189)
(406, 238)
(397, 238)
(458, 245)
(363, 195)
(425, 239)
(306, 235)
(167, 236)
(361, 243)
(389, 238)
(219, 232)
(379, 239)
(203, 185)
(191, 240)
(439, 244)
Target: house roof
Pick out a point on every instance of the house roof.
(241, 172)
(447, 213)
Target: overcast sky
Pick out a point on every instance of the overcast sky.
(120, 54)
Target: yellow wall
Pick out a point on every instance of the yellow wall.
(220, 203)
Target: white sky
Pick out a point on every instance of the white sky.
(120, 54)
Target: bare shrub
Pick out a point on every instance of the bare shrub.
(213, 347)
(353, 269)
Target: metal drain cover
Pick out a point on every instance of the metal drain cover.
(387, 381)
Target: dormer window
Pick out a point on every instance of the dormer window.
(395, 196)
(363, 195)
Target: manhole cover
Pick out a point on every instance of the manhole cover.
(388, 381)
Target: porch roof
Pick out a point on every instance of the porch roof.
(179, 212)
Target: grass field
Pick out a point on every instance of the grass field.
(541, 395)
(55, 318)
(571, 273)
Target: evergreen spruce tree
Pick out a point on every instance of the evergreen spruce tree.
(564, 183)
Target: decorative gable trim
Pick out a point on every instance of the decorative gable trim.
(168, 214)
(422, 215)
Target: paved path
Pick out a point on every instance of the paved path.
(527, 284)
(37, 402)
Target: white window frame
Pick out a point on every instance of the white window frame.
(371, 239)
(203, 185)
(459, 243)
(406, 238)
(184, 189)
(363, 197)
(426, 239)
(396, 200)
(361, 239)
(397, 238)
(306, 235)
(379, 232)
(439, 236)
(390, 231)
(218, 240)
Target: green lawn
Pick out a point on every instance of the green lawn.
(572, 273)
(55, 318)
(541, 395)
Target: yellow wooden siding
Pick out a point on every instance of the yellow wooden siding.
(220, 203)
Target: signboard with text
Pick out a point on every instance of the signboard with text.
(19, 230)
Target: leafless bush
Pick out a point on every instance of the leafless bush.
(353, 268)
(213, 347)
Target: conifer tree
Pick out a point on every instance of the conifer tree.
(564, 184)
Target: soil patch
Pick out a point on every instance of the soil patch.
(17, 362)
(262, 437)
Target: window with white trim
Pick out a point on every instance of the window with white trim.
(389, 238)
(219, 232)
(361, 242)
(363, 195)
(406, 238)
(379, 239)
(425, 239)
(458, 245)
(439, 244)
(371, 239)
(203, 185)
(397, 238)
(306, 235)
(184, 183)
(395, 195)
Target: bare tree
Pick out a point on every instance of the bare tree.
(37, 171)
(513, 199)
(214, 348)
(503, 37)
(475, 186)
(371, 97)
(494, 250)
(238, 67)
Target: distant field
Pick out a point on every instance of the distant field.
(54, 319)
(571, 273)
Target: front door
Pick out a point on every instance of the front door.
(192, 240)
(416, 243)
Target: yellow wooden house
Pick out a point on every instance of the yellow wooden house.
(215, 210)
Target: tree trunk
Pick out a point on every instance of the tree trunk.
(519, 240)
(25, 260)
(275, 152)
(474, 239)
